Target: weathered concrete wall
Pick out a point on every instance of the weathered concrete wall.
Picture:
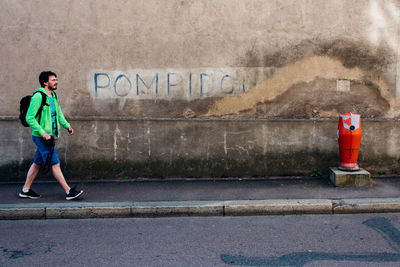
(202, 148)
(199, 69)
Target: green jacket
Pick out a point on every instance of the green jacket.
(45, 121)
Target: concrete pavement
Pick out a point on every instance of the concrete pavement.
(201, 197)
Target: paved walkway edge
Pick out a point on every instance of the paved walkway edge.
(83, 210)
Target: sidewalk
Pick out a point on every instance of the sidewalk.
(200, 197)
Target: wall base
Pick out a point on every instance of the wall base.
(349, 179)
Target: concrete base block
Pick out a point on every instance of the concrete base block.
(349, 179)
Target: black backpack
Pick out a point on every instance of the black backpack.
(24, 106)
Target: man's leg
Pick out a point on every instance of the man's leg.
(35, 167)
(31, 176)
(70, 193)
(60, 177)
(26, 191)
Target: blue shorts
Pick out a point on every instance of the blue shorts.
(42, 151)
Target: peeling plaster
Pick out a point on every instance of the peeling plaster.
(304, 70)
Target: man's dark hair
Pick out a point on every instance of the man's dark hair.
(44, 77)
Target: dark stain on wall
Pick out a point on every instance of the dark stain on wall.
(358, 55)
(351, 54)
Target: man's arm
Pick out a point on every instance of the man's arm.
(61, 119)
(34, 106)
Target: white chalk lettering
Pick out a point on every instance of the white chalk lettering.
(189, 84)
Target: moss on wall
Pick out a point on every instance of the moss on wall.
(285, 164)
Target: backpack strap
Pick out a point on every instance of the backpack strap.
(39, 112)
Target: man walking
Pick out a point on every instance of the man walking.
(45, 128)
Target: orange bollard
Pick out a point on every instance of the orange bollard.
(349, 137)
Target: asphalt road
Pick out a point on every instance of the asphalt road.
(313, 240)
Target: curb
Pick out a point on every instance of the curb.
(366, 205)
(86, 210)
(277, 207)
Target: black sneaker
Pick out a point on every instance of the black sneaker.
(73, 193)
(30, 194)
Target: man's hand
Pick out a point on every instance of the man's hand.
(46, 136)
(70, 131)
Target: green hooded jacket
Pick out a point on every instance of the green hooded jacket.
(45, 121)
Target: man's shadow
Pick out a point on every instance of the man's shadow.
(381, 225)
